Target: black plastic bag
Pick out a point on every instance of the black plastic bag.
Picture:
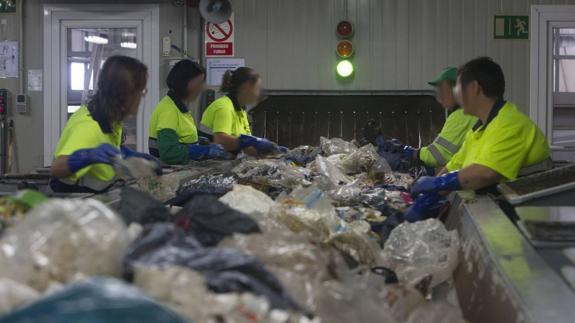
(225, 270)
(303, 155)
(207, 184)
(209, 221)
(96, 300)
(140, 207)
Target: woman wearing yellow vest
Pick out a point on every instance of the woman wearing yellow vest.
(173, 132)
(226, 119)
(92, 138)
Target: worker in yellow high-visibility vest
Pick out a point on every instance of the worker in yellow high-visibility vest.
(451, 137)
(92, 138)
(173, 133)
(500, 145)
(226, 118)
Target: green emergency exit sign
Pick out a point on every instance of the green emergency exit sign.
(511, 27)
(7, 5)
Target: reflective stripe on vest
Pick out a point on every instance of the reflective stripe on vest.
(447, 145)
(437, 155)
(547, 164)
(205, 129)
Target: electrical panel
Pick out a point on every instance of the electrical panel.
(3, 101)
(22, 103)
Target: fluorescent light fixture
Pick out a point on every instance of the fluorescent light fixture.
(98, 40)
(129, 45)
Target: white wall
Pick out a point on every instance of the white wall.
(400, 44)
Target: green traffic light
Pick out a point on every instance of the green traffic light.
(344, 68)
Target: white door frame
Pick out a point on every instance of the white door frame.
(59, 17)
(543, 19)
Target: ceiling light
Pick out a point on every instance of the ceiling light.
(128, 45)
(98, 40)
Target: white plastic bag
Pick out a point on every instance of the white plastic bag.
(14, 295)
(62, 238)
(248, 200)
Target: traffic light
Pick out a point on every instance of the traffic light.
(345, 50)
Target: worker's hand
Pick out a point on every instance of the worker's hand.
(211, 151)
(282, 149)
(262, 145)
(427, 184)
(104, 154)
(408, 151)
(425, 206)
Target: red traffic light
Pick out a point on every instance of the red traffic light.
(344, 49)
(344, 29)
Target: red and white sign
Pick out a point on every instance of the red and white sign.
(219, 39)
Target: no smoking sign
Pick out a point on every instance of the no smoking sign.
(219, 39)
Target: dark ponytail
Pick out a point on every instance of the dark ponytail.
(121, 77)
(232, 80)
(181, 74)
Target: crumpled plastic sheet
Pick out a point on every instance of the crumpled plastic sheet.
(163, 188)
(140, 207)
(307, 209)
(299, 262)
(208, 184)
(62, 238)
(331, 171)
(366, 160)
(356, 245)
(399, 179)
(209, 220)
(336, 146)
(350, 214)
(416, 250)
(225, 270)
(184, 291)
(14, 295)
(95, 300)
(268, 174)
(432, 312)
(248, 200)
(128, 168)
(303, 155)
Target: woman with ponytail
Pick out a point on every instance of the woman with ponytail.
(226, 119)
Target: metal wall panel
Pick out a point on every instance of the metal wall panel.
(400, 44)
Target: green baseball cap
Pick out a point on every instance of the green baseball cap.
(447, 74)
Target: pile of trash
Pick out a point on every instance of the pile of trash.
(291, 238)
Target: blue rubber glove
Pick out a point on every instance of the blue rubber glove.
(104, 154)
(283, 150)
(426, 184)
(426, 206)
(211, 151)
(128, 153)
(408, 151)
(262, 145)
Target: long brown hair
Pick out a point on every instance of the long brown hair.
(121, 77)
(232, 80)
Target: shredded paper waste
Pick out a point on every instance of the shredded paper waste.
(308, 236)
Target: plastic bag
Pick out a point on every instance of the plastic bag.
(209, 221)
(14, 295)
(140, 207)
(268, 174)
(303, 155)
(366, 160)
(331, 172)
(61, 238)
(134, 167)
(249, 201)
(356, 245)
(207, 184)
(416, 250)
(95, 300)
(225, 270)
(336, 146)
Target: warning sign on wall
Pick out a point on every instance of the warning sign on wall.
(219, 39)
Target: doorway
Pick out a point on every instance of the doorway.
(552, 101)
(77, 41)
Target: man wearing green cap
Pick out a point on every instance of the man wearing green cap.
(451, 137)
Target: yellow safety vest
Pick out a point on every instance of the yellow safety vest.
(449, 140)
(167, 115)
(221, 116)
(82, 132)
(508, 143)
